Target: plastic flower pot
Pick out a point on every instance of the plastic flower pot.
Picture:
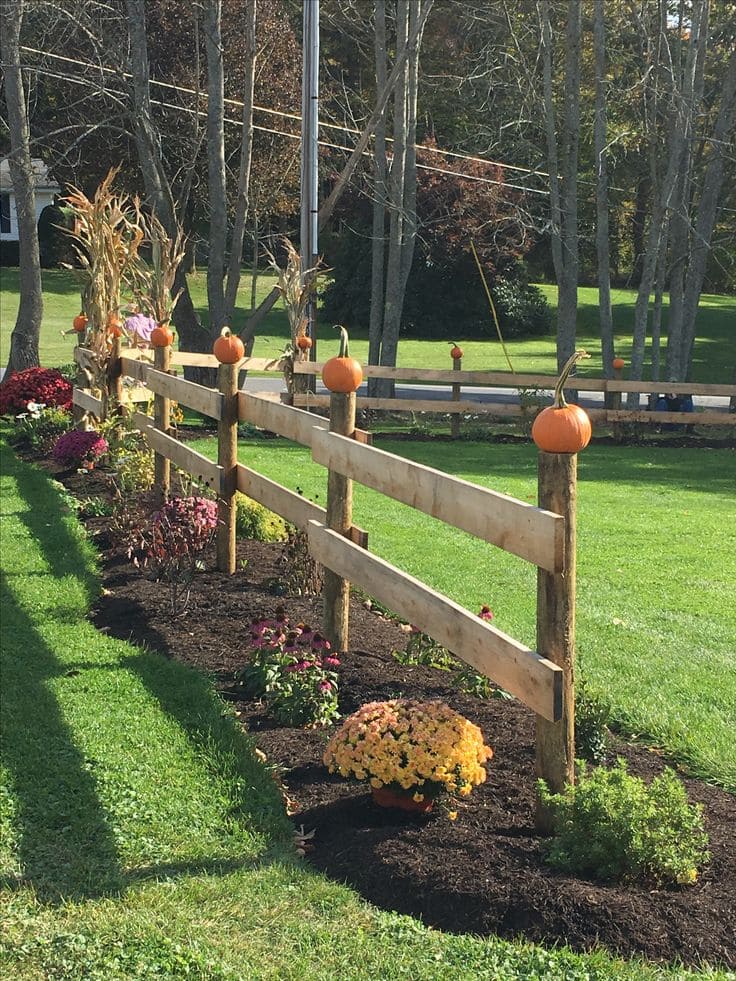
(403, 800)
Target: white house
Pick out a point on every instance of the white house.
(45, 190)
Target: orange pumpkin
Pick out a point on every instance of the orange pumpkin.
(563, 428)
(114, 325)
(80, 323)
(162, 336)
(618, 363)
(456, 353)
(228, 348)
(304, 342)
(343, 373)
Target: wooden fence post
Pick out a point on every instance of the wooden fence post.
(618, 374)
(555, 750)
(457, 364)
(336, 590)
(162, 421)
(227, 457)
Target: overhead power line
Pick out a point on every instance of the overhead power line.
(297, 118)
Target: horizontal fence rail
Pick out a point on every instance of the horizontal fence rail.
(517, 527)
(181, 455)
(518, 669)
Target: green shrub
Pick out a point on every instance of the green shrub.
(253, 520)
(39, 429)
(612, 826)
(591, 718)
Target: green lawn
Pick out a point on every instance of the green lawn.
(139, 838)
(714, 349)
(656, 620)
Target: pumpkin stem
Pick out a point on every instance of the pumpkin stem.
(226, 332)
(559, 400)
(344, 351)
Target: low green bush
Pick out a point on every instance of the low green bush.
(591, 720)
(612, 826)
(253, 520)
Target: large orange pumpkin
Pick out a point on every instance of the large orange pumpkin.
(80, 323)
(342, 374)
(162, 336)
(563, 428)
(228, 348)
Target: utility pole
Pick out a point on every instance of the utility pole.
(309, 172)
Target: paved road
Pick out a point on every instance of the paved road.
(503, 396)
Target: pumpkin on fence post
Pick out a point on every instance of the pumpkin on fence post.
(563, 428)
(342, 373)
(162, 335)
(559, 431)
(229, 351)
(80, 323)
(228, 348)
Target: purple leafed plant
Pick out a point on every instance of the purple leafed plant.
(77, 447)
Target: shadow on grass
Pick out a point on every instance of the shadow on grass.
(66, 846)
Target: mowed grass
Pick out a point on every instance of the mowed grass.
(656, 617)
(139, 837)
(713, 357)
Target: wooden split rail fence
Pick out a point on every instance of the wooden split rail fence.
(544, 536)
(458, 379)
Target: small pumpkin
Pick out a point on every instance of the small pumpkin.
(304, 342)
(80, 323)
(457, 352)
(618, 363)
(563, 428)
(228, 348)
(162, 335)
(343, 373)
(114, 325)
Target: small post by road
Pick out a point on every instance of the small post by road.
(336, 590)
(618, 374)
(456, 353)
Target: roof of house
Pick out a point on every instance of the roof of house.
(40, 176)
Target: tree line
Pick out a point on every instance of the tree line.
(600, 138)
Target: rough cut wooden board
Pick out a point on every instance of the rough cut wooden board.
(87, 402)
(192, 359)
(205, 400)
(521, 671)
(293, 423)
(291, 506)
(514, 526)
(415, 405)
(186, 459)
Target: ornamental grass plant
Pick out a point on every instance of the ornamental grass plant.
(422, 748)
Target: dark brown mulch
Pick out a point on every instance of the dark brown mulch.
(482, 874)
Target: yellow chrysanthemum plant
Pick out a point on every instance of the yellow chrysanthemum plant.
(416, 750)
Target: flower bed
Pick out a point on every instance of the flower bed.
(482, 873)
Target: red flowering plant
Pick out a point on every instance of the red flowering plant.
(291, 667)
(170, 548)
(78, 448)
(46, 386)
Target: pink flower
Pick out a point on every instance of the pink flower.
(486, 613)
(331, 662)
(325, 686)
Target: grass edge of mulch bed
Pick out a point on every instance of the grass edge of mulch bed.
(301, 924)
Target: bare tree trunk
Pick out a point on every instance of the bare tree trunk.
(158, 189)
(378, 245)
(215, 165)
(394, 299)
(246, 153)
(328, 206)
(601, 192)
(25, 336)
(657, 313)
(562, 154)
(707, 210)
(679, 234)
(410, 182)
